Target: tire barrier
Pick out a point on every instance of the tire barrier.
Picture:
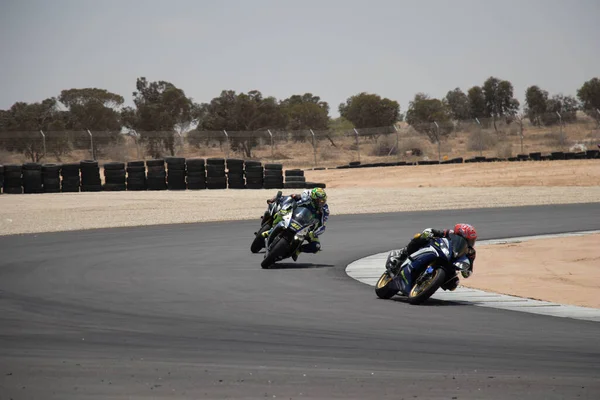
(176, 173)
(114, 177)
(216, 177)
(32, 178)
(51, 178)
(273, 176)
(156, 175)
(294, 179)
(235, 174)
(90, 176)
(254, 173)
(13, 181)
(136, 176)
(71, 179)
(196, 174)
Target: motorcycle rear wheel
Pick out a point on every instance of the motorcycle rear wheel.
(422, 291)
(279, 250)
(383, 288)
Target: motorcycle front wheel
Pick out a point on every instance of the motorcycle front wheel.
(279, 249)
(425, 288)
(259, 242)
(383, 288)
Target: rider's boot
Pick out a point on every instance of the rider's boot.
(396, 259)
(451, 285)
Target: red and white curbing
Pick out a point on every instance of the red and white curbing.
(368, 270)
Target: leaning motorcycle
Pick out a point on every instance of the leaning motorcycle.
(431, 267)
(266, 223)
(288, 234)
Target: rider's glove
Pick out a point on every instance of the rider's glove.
(466, 273)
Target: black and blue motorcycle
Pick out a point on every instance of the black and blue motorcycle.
(425, 270)
(292, 224)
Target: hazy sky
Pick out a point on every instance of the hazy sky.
(334, 49)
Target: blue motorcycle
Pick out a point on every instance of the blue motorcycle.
(425, 270)
(291, 226)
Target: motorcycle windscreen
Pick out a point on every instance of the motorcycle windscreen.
(459, 245)
(302, 217)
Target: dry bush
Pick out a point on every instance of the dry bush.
(418, 147)
(504, 150)
(483, 140)
(386, 146)
(555, 139)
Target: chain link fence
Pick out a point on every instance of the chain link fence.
(501, 138)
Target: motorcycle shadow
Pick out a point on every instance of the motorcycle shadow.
(431, 302)
(299, 266)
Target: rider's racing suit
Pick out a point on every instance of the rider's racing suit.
(303, 199)
(419, 241)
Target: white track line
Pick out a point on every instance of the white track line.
(368, 270)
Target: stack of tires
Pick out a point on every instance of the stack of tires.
(176, 173)
(51, 178)
(273, 176)
(114, 177)
(196, 174)
(90, 176)
(136, 176)
(157, 175)
(216, 178)
(294, 179)
(235, 174)
(13, 183)
(70, 178)
(254, 172)
(32, 178)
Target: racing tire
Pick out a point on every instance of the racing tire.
(259, 242)
(279, 249)
(417, 297)
(383, 288)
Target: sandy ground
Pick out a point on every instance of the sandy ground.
(510, 269)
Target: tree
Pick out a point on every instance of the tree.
(366, 110)
(22, 123)
(477, 102)
(589, 95)
(536, 104)
(566, 106)
(499, 100)
(159, 108)
(242, 112)
(305, 112)
(95, 110)
(459, 105)
(424, 113)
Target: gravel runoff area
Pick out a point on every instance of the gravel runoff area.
(368, 190)
(34, 213)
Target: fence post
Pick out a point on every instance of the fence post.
(91, 144)
(520, 119)
(314, 146)
(598, 111)
(438, 140)
(480, 141)
(227, 137)
(563, 141)
(357, 146)
(43, 142)
(272, 148)
(397, 141)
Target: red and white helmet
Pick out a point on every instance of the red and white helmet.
(467, 231)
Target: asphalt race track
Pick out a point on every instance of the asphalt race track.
(186, 312)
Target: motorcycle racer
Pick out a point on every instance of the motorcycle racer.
(316, 200)
(421, 239)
